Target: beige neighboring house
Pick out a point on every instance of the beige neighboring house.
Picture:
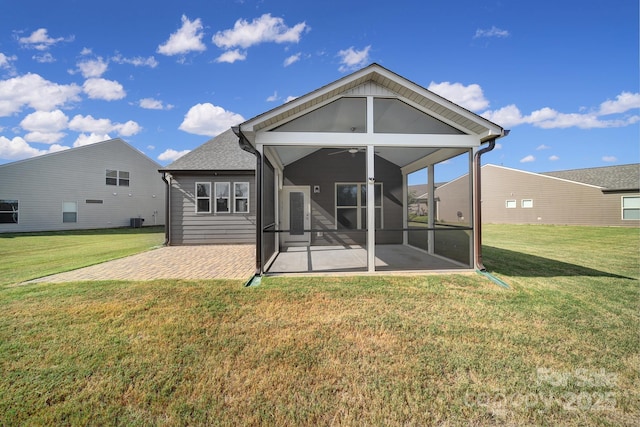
(602, 196)
(108, 184)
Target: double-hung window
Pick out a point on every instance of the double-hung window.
(203, 197)
(116, 177)
(69, 211)
(351, 206)
(8, 211)
(223, 192)
(631, 207)
(241, 197)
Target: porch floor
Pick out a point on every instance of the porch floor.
(341, 259)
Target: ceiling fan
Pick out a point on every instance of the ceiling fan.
(353, 151)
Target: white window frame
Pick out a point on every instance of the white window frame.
(623, 209)
(75, 211)
(236, 198)
(16, 212)
(510, 204)
(198, 198)
(360, 204)
(527, 205)
(122, 179)
(115, 178)
(215, 197)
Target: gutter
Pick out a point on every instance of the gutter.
(246, 146)
(477, 208)
(167, 211)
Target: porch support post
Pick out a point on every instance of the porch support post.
(472, 221)
(371, 210)
(431, 208)
(405, 208)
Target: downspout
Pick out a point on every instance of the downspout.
(246, 146)
(167, 211)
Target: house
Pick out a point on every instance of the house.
(103, 185)
(211, 194)
(331, 189)
(602, 196)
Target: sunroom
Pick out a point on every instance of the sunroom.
(333, 176)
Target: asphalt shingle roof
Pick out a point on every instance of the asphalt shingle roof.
(623, 177)
(219, 153)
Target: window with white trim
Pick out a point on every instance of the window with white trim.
(8, 211)
(69, 211)
(351, 206)
(510, 204)
(203, 197)
(630, 207)
(241, 197)
(223, 190)
(116, 177)
(527, 203)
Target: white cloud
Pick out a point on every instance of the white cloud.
(84, 139)
(35, 92)
(5, 61)
(107, 90)
(209, 120)
(498, 146)
(187, 39)
(45, 126)
(542, 147)
(264, 29)
(491, 32)
(351, 59)
(274, 97)
(292, 59)
(45, 58)
(554, 158)
(18, 149)
(39, 40)
(44, 137)
(624, 102)
(103, 126)
(153, 104)
(232, 56)
(290, 98)
(151, 147)
(470, 97)
(93, 67)
(528, 159)
(137, 61)
(172, 155)
(609, 159)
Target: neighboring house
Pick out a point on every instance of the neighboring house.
(332, 173)
(211, 196)
(602, 196)
(101, 185)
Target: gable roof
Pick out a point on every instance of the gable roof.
(220, 153)
(87, 147)
(439, 107)
(609, 178)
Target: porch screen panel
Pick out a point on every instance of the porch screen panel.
(395, 116)
(268, 209)
(296, 213)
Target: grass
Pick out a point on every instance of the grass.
(559, 348)
(27, 256)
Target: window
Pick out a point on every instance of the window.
(115, 177)
(351, 206)
(69, 212)
(223, 190)
(241, 201)
(631, 207)
(527, 203)
(510, 204)
(112, 177)
(123, 179)
(8, 211)
(203, 197)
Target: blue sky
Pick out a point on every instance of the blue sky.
(166, 76)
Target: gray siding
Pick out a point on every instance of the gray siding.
(191, 228)
(555, 201)
(321, 169)
(42, 184)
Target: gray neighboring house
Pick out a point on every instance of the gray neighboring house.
(601, 196)
(211, 194)
(101, 185)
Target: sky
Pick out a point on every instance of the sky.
(167, 76)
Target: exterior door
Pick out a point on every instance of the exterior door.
(295, 215)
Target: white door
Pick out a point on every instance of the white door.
(295, 215)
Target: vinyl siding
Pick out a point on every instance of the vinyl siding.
(42, 184)
(191, 228)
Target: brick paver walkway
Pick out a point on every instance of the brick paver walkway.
(171, 262)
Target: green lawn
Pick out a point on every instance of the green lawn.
(558, 348)
(28, 256)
